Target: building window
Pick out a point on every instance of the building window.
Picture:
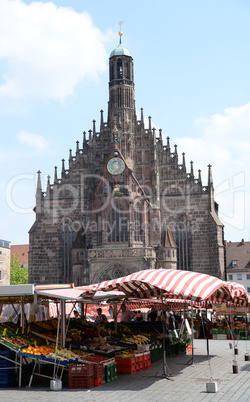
(138, 224)
(230, 277)
(117, 226)
(248, 276)
(25, 265)
(234, 263)
(119, 69)
(0, 275)
(0, 256)
(182, 239)
(248, 290)
(239, 277)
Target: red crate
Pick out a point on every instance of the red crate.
(81, 370)
(98, 370)
(189, 349)
(97, 381)
(126, 370)
(127, 362)
(81, 382)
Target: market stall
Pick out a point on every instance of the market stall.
(109, 348)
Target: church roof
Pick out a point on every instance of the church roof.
(120, 51)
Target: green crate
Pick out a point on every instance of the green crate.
(108, 372)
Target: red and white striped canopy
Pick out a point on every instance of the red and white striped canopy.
(172, 283)
(156, 303)
(238, 292)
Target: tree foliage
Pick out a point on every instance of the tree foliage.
(18, 275)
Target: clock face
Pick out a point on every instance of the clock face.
(115, 166)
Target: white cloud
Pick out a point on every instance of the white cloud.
(224, 143)
(48, 50)
(33, 140)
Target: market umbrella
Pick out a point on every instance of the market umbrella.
(153, 283)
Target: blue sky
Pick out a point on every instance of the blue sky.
(191, 61)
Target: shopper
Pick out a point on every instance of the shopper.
(126, 315)
(76, 314)
(139, 316)
(171, 321)
(152, 316)
(100, 318)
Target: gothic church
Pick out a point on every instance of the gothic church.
(127, 201)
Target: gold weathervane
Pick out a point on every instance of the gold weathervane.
(120, 32)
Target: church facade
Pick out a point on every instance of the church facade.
(126, 202)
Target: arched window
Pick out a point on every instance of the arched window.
(111, 72)
(182, 239)
(137, 224)
(119, 69)
(117, 226)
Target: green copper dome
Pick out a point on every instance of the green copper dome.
(120, 51)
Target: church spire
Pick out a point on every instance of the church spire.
(121, 89)
(39, 193)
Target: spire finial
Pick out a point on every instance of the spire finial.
(199, 171)
(210, 177)
(120, 32)
(101, 126)
(55, 175)
(48, 186)
(39, 185)
(192, 169)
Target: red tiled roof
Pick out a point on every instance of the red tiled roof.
(22, 250)
(240, 252)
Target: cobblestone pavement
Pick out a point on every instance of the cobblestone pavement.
(188, 381)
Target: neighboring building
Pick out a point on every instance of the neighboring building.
(22, 252)
(4, 262)
(238, 262)
(126, 202)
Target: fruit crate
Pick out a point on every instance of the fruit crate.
(98, 370)
(81, 370)
(97, 381)
(81, 382)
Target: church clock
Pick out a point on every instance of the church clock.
(115, 166)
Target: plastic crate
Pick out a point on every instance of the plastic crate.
(189, 349)
(81, 382)
(97, 381)
(81, 370)
(126, 370)
(113, 367)
(98, 370)
(107, 373)
(127, 362)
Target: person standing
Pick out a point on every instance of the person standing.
(152, 316)
(171, 321)
(100, 318)
(126, 315)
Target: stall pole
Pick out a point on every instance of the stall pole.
(57, 338)
(207, 331)
(115, 316)
(192, 326)
(63, 312)
(82, 310)
(165, 366)
(22, 312)
(20, 371)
